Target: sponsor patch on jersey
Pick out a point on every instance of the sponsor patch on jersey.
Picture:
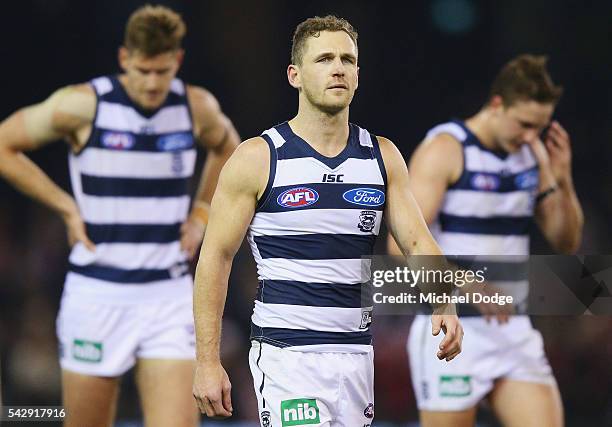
(175, 141)
(367, 221)
(366, 317)
(364, 196)
(177, 162)
(527, 180)
(485, 182)
(297, 197)
(118, 140)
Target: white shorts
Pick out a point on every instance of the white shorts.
(105, 336)
(490, 351)
(296, 388)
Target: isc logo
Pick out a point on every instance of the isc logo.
(297, 197)
(329, 177)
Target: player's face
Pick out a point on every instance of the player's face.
(521, 123)
(329, 72)
(149, 77)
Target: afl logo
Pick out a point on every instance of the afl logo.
(117, 140)
(364, 196)
(485, 182)
(297, 197)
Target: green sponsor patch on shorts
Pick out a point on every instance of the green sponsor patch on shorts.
(299, 412)
(87, 351)
(455, 385)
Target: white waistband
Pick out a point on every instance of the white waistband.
(85, 287)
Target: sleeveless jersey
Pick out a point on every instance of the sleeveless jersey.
(315, 221)
(489, 211)
(131, 183)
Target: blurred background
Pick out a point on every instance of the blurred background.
(421, 62)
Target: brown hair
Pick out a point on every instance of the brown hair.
(152, 30)
(526, 78)
(312, 27)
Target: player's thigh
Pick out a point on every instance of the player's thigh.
(526, 404)
(356, 398)
(465, 418)
(165, 388)
(89, 400)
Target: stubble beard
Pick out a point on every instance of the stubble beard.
(328, 108)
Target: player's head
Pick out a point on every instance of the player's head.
(151, 53)
(324, 63)
(522, 100)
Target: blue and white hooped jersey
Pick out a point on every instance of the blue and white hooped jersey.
(131, 182)
(489, 210)
(315, 221)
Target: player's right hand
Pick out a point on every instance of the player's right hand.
(212, 390)
(75, 227)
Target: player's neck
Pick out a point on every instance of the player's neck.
(326, 133)
(126, 87)
(480, 125)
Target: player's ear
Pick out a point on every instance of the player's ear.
(293, 75)
(496, 102)
(123, 54)
(180, 55)
(357, 85)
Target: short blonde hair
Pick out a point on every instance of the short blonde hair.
(152, 30)
(312, 27)
(525, 78)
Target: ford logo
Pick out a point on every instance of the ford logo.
(527, 179)
(364, 196)
(175, 142)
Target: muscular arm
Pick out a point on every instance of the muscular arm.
(559, 215)
(241, 183)
(65, 114)
(560, 218)
(216, 133)
(408, 227)
(435, 164)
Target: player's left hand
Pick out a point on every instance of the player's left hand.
(559, 149)
(450, 346)
(192, 233)
(554, 155)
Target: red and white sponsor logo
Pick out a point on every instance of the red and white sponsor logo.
(297, 197)
(117, 140)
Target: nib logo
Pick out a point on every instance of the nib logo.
(455, 385)
(299, 412)
(87, 351)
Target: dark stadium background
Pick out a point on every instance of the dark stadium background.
(422, 62)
